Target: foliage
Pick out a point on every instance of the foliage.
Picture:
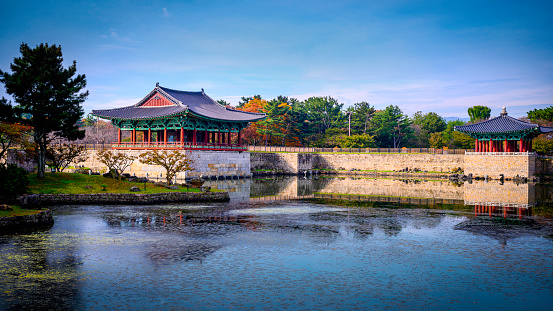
(49, 93)
(244, 100)
(223, 102)
(13, 181)
(61, 155)
(437, 140)
(358, 141)
(324, 113)
(478, 113)
(173, 162)
(7, 111)
(427, 124)
(361, 114)
(451, 138)
(90, 120)
(545, 114)
(116, 161)
(391, 127)
(12, 134)
(543, 145)
(461, 141)
(101, 132)
(251, 134)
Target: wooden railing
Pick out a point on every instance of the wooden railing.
(179, 145)
(357, 150)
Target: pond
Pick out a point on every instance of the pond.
(294, 243)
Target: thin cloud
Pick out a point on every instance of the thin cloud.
(165, 12)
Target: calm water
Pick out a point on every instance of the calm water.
(264, 254)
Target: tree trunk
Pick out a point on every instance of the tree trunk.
(41, 160)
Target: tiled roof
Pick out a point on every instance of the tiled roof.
(133, 112)
(196, 102)
(501, 124)
(201, 104)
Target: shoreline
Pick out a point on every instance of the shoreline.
(122, 198)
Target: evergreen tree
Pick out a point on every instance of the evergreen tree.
(427, 124)
(49, 93)
(478, 113)
(361, 114)
(391, 127)
(322, 114)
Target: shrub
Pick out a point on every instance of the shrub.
(13, 181)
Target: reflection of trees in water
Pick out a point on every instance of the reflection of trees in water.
(269, 186)
(278, 186)
(186, 251)
(308, 186)
(39, 272)
(390, 226)
(504, 229)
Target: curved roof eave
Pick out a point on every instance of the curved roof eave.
(197, 103)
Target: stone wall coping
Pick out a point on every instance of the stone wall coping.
(40, 219)
(122, 198)
(502, 153)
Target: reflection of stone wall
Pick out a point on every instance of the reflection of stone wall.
(544, 166)
(207, 163)
(238, 189)
(494, 165)
(493, 192)
(297, 163)
(396, 188)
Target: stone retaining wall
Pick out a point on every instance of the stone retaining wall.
(206, 163)
(43, 218)
(294, 163)
(495, 165)
(122, 198)
(396, 188)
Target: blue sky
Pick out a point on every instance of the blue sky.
(440, 56)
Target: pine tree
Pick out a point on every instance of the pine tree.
(47, 92)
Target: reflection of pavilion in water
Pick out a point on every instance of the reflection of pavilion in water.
(488, 198)
(501, 200)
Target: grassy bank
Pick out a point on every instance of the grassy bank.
(18, 211)
(68, 183)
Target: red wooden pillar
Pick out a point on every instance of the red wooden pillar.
(194, 136)
(119, 136)
(475, 144)
(239, 139)
(521, 148)
(228, 138)
(206, 140)
(133, 136)
(530, 146)
(492, 149)
(149, 136)
(219, 138)
(165, 136)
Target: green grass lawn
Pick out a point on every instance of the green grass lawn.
(69, 183)
(18, 211)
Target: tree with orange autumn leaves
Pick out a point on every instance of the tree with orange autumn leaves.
(277, 128)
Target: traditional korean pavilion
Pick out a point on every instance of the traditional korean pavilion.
(171, 119)
(503, 134)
